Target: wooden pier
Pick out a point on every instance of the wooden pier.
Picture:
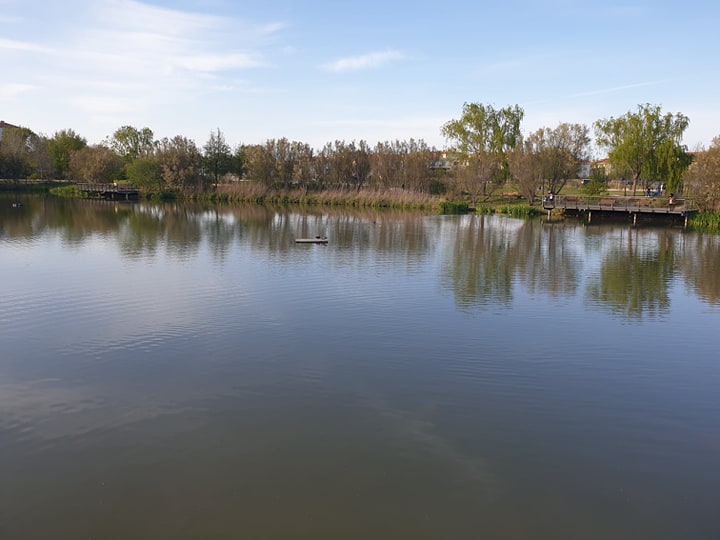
(630, 207)
(110, 191)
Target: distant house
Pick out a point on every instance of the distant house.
(3, 125)
(445, 163)
(441, 165)
(603, 164)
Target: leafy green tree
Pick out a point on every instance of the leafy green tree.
(217, 156)
(647, 145)
(145, 173)
(483, 136)
(60, 146)
(131, 143)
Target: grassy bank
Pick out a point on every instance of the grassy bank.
(395, 199)
(370, 198)
(66, 191)
(705, 223)
(253, 193)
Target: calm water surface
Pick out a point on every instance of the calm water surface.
(169, 371)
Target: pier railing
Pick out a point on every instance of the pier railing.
(109, 191)
(107, 188)
(609, 203)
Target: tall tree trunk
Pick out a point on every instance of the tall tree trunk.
(636, 177)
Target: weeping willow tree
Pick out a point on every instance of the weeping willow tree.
(482, 137)
(647, 145)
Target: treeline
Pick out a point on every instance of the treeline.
(178, 165)
(487, 153)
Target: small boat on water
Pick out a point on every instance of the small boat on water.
(316, 240)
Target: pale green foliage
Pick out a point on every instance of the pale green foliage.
(647, 145)
(483, 130)
(131, 143)
(146, 173)
(60, 146)
(483, 136)
(595, 186)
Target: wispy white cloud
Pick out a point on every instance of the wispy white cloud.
(614, 89)
(218, 62)
(157, 41)
(12, 90)
(123, 59)
(362, 62)
(24, 46)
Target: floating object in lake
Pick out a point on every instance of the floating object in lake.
(316, 240)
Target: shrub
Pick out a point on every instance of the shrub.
(449, 207)
(66, 191)
(519, 210)
(595, 187)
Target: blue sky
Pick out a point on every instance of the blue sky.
(319, 71)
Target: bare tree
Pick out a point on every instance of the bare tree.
(524, 164)
(16, 150)
(181, 164)
(702, 178)
(95, 164)
(560, 152)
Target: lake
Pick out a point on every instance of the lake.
(178, 371)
